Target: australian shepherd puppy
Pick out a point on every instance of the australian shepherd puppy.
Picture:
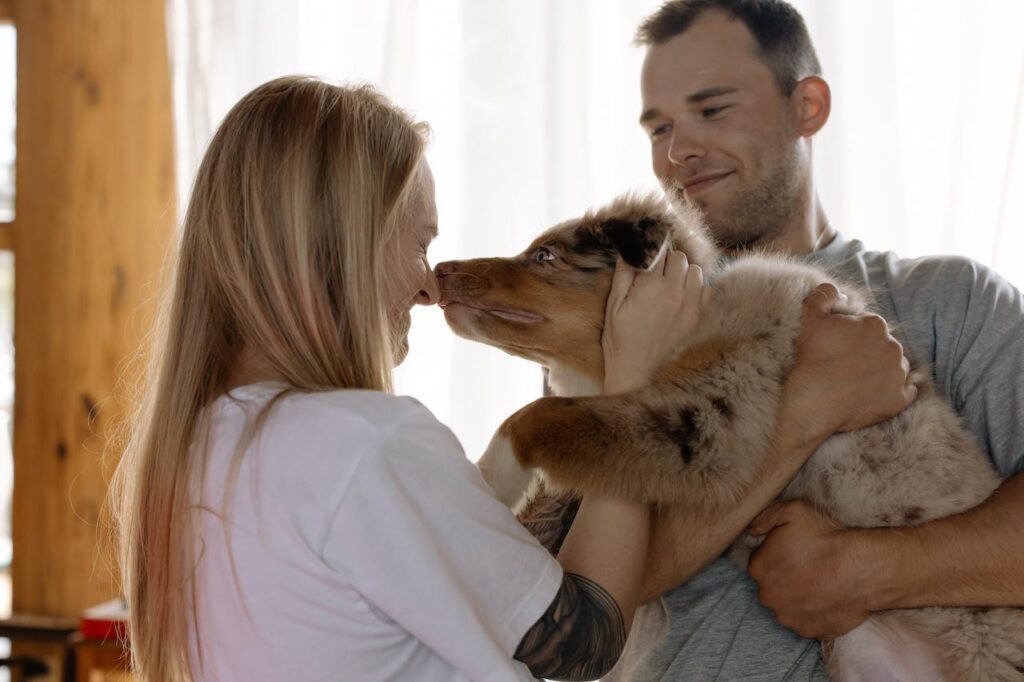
(698, 433)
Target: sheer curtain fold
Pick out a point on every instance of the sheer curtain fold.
(534, 104)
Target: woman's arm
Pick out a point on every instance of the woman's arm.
(583, 631)
(548, 516)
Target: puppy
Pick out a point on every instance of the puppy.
(699, 432)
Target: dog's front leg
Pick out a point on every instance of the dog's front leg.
(499, 466)
(606, 445)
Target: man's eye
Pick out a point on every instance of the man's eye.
(711, 112)
(543, 255)
(660, 130)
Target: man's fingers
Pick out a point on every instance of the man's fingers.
(774, 515)
(822, 299)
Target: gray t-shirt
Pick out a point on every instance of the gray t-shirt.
(951, 313)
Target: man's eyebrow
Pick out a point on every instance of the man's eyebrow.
(648, 115)
(708, 93)
(696, 97)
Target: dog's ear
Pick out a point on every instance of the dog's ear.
(640, 242)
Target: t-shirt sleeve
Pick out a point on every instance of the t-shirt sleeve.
(424, 540)
(969, 323)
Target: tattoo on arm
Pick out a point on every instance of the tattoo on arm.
(548, 518)
(579, 637)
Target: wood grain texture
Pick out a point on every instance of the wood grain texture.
(7, 236)
(6, 11)
(95, 210)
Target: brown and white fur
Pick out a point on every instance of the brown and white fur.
(698, 433)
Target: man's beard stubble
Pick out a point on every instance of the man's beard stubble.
(754, 215)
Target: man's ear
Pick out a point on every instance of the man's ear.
(811, 103)
(640, 242)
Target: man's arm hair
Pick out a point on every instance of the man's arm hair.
(579, 637)
(969, 559)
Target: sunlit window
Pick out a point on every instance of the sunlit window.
(7, 81)
(7, 112)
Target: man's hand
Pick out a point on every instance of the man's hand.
(804, 574)
(850, 372)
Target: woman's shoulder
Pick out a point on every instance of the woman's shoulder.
(346, 416)
(358, 404)
(384, 442)
(313, 445)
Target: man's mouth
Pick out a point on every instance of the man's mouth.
(505, 313)
(701, 183)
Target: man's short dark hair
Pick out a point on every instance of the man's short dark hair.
(778, 28)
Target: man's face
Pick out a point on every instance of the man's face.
(721, 132)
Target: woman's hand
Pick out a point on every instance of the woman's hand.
(649, 313)
(850, 371)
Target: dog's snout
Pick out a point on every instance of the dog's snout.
(464, 274)
(446, 268)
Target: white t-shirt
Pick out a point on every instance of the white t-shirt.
(365, 545)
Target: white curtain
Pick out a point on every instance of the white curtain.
(534, 104)
(924, 152)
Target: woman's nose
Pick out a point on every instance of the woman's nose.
(430, 294)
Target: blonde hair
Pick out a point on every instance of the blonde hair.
(282, 253)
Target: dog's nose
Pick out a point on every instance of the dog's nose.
(446, 268)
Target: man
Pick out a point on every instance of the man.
(732, 97)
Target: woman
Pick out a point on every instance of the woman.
(281, 515)
(340, 533)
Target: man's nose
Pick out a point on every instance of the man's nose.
(430, 294)
(684, 146)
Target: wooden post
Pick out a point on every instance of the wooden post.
(7, 232)
(94, 212)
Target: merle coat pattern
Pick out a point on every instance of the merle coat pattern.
(698, 433)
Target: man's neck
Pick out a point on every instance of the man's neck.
(807, 232)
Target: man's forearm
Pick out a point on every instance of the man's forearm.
(971, 559)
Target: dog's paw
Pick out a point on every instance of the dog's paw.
(502, 471)
(743, 547)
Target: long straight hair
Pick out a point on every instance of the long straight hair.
(281, 253)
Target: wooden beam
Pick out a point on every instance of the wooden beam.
(6, 236)
(6, 11)
(95, 211)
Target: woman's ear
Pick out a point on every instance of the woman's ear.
(811, 104)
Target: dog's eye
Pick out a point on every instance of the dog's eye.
(543, 254)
